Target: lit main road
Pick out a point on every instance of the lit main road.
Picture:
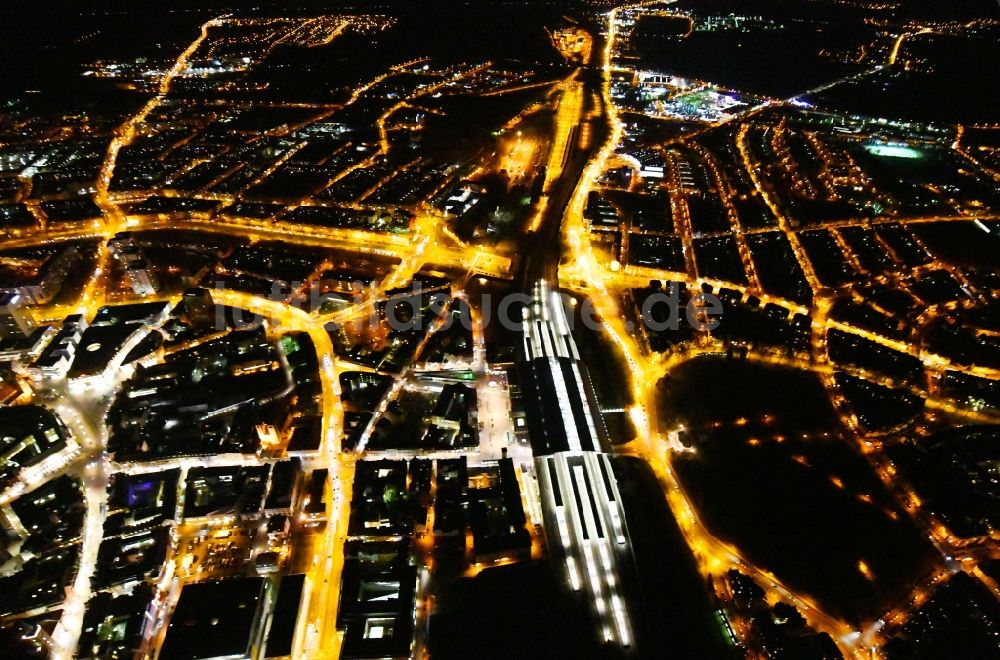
(584, 270)
(582, 512)
(316, 635)
(440, 250)
(113, 217)
(84, 414)
(430, 244)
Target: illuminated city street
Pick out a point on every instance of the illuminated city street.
(508, 330)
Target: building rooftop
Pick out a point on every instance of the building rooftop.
(215, 620)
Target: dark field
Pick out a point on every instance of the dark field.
(790, 492)
(782, 61)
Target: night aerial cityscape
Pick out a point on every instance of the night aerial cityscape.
(500, 329)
